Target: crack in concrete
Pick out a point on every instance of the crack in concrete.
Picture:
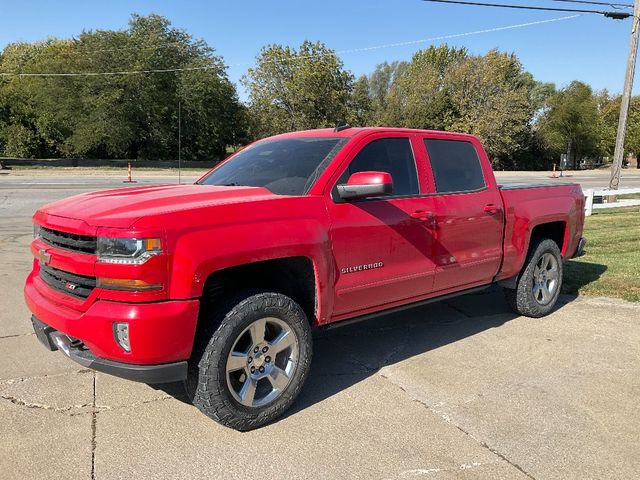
(91, 407)
(495, 452)
(93, 430)
(386, 360)
(17, 335)
(42, 406)
(448, 419)
(11, 381)
(416, 472)
(457, 309)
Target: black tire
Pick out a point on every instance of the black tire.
(207, 383)
(522, 299)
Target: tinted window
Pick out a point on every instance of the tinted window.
(286, 166)
(391, 155)
(455, 165)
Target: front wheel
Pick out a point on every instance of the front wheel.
(255, 363)
(540, 281)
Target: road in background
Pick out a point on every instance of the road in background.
(83, 179)
(461, 389)
(593, 179)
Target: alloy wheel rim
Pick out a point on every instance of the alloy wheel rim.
(262, 362)
(545, 279)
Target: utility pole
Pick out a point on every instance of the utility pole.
(180, 140)
(626, 98)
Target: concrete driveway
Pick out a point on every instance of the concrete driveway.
(461, 389)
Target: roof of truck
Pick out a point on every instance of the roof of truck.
(353, 131)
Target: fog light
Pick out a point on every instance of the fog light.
(121, 334)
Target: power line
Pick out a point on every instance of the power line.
(606, 4)
(457, 35)
(338, 52)
(614, 15)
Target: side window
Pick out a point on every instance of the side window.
(391, 155)
(455, 165)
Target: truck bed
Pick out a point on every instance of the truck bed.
(528, 205)
(519, 185)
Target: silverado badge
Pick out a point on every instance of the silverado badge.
(359, 268)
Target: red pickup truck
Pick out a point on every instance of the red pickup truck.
(219, 284)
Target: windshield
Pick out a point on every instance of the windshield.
(287, 166)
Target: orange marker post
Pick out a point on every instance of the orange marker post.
(128, 180)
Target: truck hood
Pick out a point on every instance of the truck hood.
(122, 207)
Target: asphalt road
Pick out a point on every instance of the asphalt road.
(462, 389)
(594, 179)
(96, 180)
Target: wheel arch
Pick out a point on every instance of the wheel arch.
(295, 277)
(556, 231)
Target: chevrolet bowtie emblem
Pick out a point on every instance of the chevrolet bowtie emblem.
(43, 257)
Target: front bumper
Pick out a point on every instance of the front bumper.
(160, 333)
(76, 351)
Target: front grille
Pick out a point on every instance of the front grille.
(75, 285)
(69, 241)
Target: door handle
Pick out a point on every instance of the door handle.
(422, 216)
(491, 209)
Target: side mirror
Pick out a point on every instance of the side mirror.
(366, 185)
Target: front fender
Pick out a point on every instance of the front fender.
(292, 227)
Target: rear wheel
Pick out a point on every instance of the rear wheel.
(255, 362)
(539, 283)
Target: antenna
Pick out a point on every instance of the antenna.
(341, 126)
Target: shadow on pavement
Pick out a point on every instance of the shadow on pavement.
(347, 355)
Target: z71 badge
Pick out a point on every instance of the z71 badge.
(360, 268)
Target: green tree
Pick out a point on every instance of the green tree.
(380, 83)
(361, 108)
(609, 108)
(418, 97)
(445, 88)
(572, 123)
(491, 99)
(539, 92)
(298, 89)
(123, 115)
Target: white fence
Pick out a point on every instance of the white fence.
(621, 202)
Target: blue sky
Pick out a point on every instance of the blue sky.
(589, 48)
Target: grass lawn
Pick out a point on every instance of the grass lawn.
(611, 266)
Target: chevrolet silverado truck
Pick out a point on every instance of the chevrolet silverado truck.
(220, 283)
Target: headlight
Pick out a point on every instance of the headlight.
(128, 251)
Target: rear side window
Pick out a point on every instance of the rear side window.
(391, 155)
(455, 165)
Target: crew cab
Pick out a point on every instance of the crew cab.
(220, 283)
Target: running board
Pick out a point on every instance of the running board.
(369, 316)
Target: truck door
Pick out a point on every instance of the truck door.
(469, 214)
(382, 248)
